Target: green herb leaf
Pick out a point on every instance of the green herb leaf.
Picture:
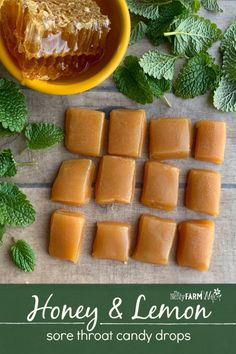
(5, 132)
(7, 164)
(211, 5)
(156, 28)
(132, 82)
(229, 37)
(2, 232)
(159, 87)
(15, 209)
(145, 8)
(158, 65)
(229, 63)
(138, 29)
(225, 96)
(192, 34)
(23, 256)
(13, 110)
(197, 76)
(42, 135)
(191, 5)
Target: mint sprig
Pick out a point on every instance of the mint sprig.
(15, 208)
(23, 256)
(156, 28)
(145, 8)
(138, 29)
(197, 76)
(211, 5)
(225, 94)
(192, 34)
(158, 65)
(7, 164)
(131, 80)
(2, 232)
(13, 109)
(5, 132)
(42, 135)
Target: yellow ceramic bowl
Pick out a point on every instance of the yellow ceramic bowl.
(117, 44)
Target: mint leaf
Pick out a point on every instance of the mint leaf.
(225, 96)
(229, 62)
(42, 135)
(197, 76)
(13, 110)
(192, 34)
(158, 65)
(156, 28)
(229, 37)
(145, 8)
(5, 132)
(191, 5)
(23, 256)
(132, 82)
(211, 5)
(159, 87)
(7, 164)
(138, 29)
(15, 209)
(2, 232)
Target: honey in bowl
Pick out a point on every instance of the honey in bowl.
(55, 38)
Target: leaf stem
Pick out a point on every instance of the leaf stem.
(166, 2)
(166, 34)
(167, 101)
(29, 163)
(23, 151)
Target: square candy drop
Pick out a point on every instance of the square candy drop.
(160, 185)
(73, 184)
(66, 233)
(116, 180)
(127, 130)
(85, 131)
(155, 239)
(203, 191)
(210, 141)
(195, 244)
(112, 241)
(170, 138)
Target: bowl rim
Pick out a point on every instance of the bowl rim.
(77, 87)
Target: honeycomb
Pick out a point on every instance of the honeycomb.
(54, 38)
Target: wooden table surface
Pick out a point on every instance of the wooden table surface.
(36, 183)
